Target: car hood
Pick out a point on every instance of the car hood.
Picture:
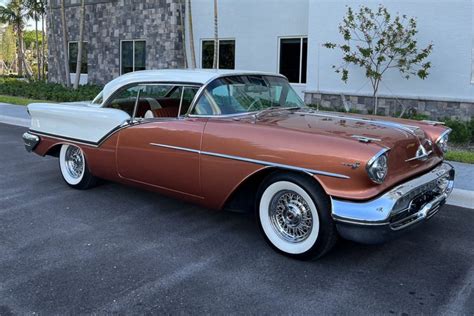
(403, 140)
(385, 133)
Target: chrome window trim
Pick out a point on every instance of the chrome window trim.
(255, 161)
(204, 86)
(173, 84)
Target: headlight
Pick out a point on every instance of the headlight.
(377, 167)
(442, 141)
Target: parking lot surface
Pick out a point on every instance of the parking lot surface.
(119, 249)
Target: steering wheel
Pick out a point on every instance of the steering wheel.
(253, 104)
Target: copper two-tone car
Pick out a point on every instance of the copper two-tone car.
(245, 140)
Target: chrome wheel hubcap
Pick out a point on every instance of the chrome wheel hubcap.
(291, 216)
(74, 162)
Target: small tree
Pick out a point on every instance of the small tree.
(376, 42)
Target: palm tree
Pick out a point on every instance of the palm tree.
(15, 15)
(35, 10)
(65, 50)
(191, 35)
(216, 38)
(43, 42)
(80, 45)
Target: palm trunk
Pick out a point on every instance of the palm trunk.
(191, 36)
(43, 45)
(216, 38)
(65, 44)
(80, 44)
(20, 52)
(38, 59)
(183, 35)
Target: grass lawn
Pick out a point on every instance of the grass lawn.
(18, 100)
(460, 156)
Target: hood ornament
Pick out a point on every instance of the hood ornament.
(421, 154)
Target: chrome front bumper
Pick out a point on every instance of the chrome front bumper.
(403, 207)
(30, 141)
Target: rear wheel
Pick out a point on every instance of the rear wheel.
(73, 166)
(294, 216)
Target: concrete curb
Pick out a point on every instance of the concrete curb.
(461, 198)
(14, 121)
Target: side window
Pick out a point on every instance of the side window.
(125, 99)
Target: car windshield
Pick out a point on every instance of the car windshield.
(249, 93)
(98, 99)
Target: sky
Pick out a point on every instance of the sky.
(30, 24)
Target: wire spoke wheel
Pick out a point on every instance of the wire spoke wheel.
(74, 162)
(290, 216)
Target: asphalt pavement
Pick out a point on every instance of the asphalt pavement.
(118, 249)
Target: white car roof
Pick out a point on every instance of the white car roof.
(190, 76)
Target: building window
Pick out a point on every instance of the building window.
(293, 58)
(72, 52)
(225, 54)
(133, 56)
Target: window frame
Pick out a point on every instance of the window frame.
(133, 53)
(301, 38)
(172, 85)
(68, 54)
(218, 50)
(201, 93)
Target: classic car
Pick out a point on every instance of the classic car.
(243, 140)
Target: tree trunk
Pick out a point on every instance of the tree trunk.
(216, 38)
(191, 35)
(183, 35)
(20, 52)
(65, 45)
(38, 59)
(80, 44)
(43, 45)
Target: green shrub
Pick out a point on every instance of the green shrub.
(461, 133)
(46, 91)
(470, 126)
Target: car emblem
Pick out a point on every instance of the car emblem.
(354, 165)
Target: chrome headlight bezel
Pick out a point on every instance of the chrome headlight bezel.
(442, 140)
(377, 166)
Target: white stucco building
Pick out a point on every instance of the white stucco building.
(286, 36)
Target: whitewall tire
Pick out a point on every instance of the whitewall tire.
(294, 216)
(74, 169)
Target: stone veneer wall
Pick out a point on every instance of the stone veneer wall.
(107, 22)
(435, 110)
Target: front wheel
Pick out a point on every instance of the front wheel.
(294, 216)
(73, 166)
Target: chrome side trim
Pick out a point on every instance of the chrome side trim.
(65, 139)
(196, 151)
(254, 161)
